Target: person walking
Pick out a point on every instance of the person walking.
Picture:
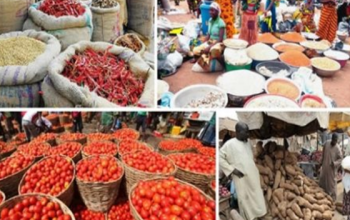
(34, 124)
(77, 122)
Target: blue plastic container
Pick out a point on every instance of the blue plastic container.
(205, 15)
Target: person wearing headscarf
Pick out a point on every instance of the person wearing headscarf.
(327, 28)
(212, 47)
(227, 14)
(249, 29)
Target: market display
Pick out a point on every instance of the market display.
(68, 137)
(284, 47)
(268, 38)
(100, 148)
(36, 150)
(130, 41)
(99, 137)
(188, 202)
(207, 151)
(113, 80)
(60, 8)
(131, 146)
(126, 133)
(82, 213)
(20, 51)
(69, 149)
(295, 59)
(293, 37)
(325, 64)
(120, 211)
(14, 164)
(104, 3)
(284, 88)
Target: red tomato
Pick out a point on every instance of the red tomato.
(101, 148)
(69, 149)
(130, 145)
(194, 162)
(126, 133)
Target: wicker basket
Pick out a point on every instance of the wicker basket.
(167, 152)
(8, 153)
(8, 184)
(85, 155)
(67, 195)
(99, 197)
(3, 197)
(120, 156)
(54, 119)
(58, 130)
(136, 215)
(200, 180)
(69, 128)
(210, 191)
(133, 175)
(64, 119)
(11, 203)
(38, 157)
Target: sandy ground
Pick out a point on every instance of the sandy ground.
(336, 87)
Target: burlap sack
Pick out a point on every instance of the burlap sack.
(106, 23)
(13, 14)
(67, 29)
(72, 95)
(36, 70)
(141, 17)
(143, 48)
(25, 96)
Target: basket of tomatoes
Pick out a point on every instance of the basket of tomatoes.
(45, 207)
(81, 212)
(196, 169)
(54, 119)
(49, 138)
(6, 149)
(174, 198)
(72, 137)
(52, 175)
(93, 137)
(98, 179)
(100, 148)
(12, 170)
(207, 151)
(36, 150)
(2, 197)
(120, 211)
(130, 146)
(167, 147)
(126, 133)
(143, 165)
(212, 189)
(69, 149)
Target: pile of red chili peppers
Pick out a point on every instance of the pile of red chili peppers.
(106, 74)
(60, 8)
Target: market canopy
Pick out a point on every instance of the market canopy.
(264, 125)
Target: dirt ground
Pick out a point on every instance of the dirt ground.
(336, 87)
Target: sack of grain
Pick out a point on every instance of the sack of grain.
(24, 59)
(67, 29)
(123, 16)
(13, 14)
(70, 94)
(140, 17)
(106, 23)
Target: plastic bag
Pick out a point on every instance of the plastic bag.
(184, 43)
(191, 30)
(214, 66)
(171, 63)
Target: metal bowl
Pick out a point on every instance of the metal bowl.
(323, 72)
(273, 66)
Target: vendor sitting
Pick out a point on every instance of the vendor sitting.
(288, 24)
(212, 48)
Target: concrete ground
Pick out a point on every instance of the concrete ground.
(336, 87)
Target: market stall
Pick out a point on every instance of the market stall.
(52, 51)
(111, 175)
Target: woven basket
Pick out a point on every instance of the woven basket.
(8, 153)
(136, 215)
(58, 130)
(11, 203)
(69, 128)
(3, 197)
(8, 185)
(133, 175)
(85, 155)
(55, 121)
(99, 197)
(167, 152)
(67, 195)
(198, 179)
(120, 156)
(210, 191)
(81, 141)
(64, 119)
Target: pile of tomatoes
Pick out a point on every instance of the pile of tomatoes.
(34, 208)
(168, 145)
(72, 136)
(194, 162)
(130, 146)
(120, 211)
(207, 151)
(82, 213)
(44, 137)
(191, 143)
(99, 169)
(101, 148)
(170, 199)
(52, 176)
(149, 161)
(69, 149)
(20, 137)
(4, 148)
(33, 149)
(13, 164)
(99, 137)
(126, 133)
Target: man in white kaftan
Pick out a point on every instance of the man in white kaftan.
(237, 160)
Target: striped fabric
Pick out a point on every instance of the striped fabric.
(328, 25)
(249, 30)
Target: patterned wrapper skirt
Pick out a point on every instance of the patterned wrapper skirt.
(328, 25)
(249, 29)
(227, 14)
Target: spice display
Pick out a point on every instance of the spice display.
(295, 58)
(130, 41)
(210, 100)
(271, 101)
(293, 37)
(60, 8)
(287, 47)
(113, 80)
(267, 72)
(268, 38)
(236, 57)
(19, 51)
(325, 63)
(283, 88)
(104, 3)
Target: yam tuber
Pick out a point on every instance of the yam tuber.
(266, 180)
(279, 194)
(290, 170)
(278, 164)
(282, 207)
(327, 215)
(274, 209)
(309, 198)
(290, 196)
(297, 210)
(262, 170)
(270, 174)
(304, 203)
(319, 196)
(292, 215)
(278, 154)
(269, 194)
(287, 186)
(277, 179)
(283, 179)
(262, 183)
(269, 162)
(317, 214)
(307, 214)
(317, 208)
(283, 171)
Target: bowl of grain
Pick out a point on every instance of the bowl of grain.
(260, 52)
(341, 57)
(235, 43)
(284, 47)
(319, 46)
(311, 101)
(325, 66)
(284, 87)
(270, 101)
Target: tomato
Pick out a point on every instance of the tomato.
(194, 162)
(101, 148)
(69, 149)
(99, 169)
(44, 138)
(130, 145)
(82, 213)
(126, 133)
(33, 149)
(181, 145)
(7, 147)
(46, 175)
(72, 137)
(207, 151)
(120, 211)
(99, 137)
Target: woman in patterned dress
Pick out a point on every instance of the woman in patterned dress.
(249, 29)
(328, 25)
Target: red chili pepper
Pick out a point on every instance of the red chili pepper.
(60, 8)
